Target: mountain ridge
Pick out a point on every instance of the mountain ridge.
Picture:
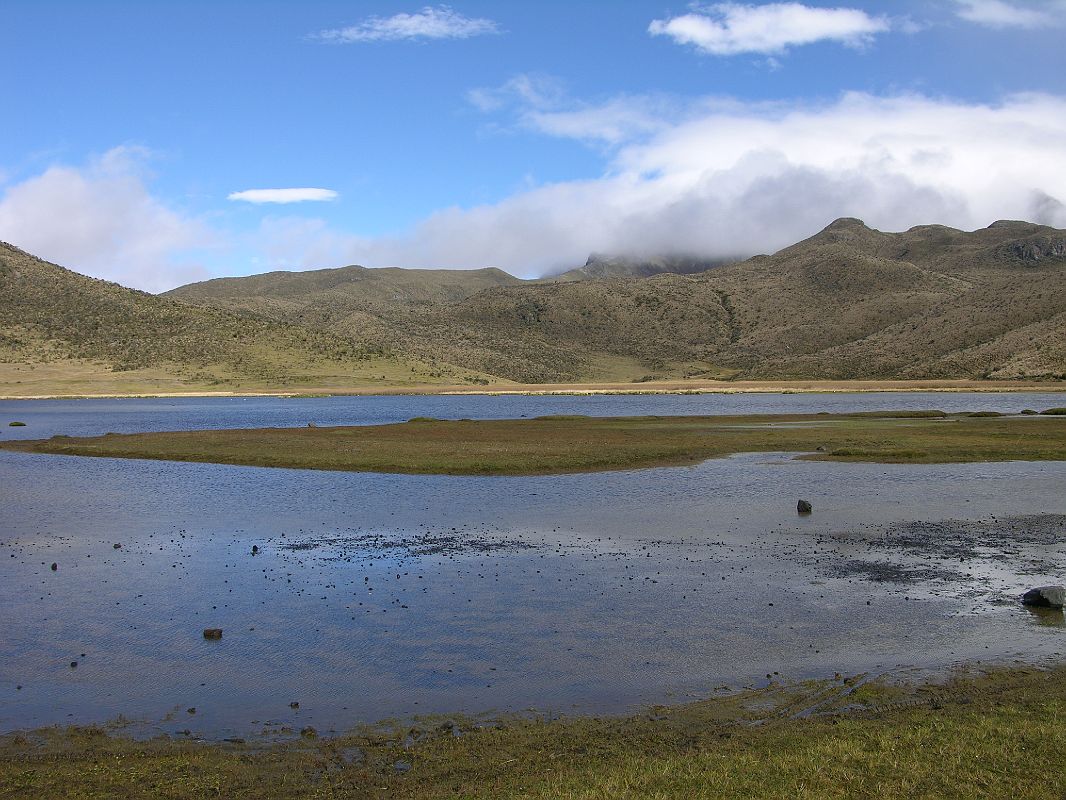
(849, 302)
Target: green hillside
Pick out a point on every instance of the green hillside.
(57, 325)
(848, 303)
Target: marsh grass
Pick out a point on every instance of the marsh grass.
(564, 444)
(986, 735)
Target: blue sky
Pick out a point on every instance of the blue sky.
(520, 134)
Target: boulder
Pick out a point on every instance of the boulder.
(212, 633)
(1045, 596)
(804, 507)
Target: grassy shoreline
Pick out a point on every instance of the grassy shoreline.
(569, 444)
(507, 388)
(995, 733)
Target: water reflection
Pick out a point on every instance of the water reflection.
(390, 595)
(1047, 617)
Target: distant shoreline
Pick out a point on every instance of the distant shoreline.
(590, 389)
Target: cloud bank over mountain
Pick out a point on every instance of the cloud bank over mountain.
(715, 177)
(103, 219)
(725, 178)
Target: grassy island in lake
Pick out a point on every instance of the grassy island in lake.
(567, 444)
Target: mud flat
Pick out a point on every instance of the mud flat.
(601, 633)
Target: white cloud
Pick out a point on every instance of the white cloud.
(440, 22)
(726, 29)
(530, 89)
(1002, 14)
(618, 120)
(289, 242)
(303, 195)
(731, 178)
(102, 220)
(540, 103)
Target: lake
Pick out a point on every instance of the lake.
(372, 596)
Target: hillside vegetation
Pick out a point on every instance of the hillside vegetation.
(977, 736)
(66, 326)
(850, 303)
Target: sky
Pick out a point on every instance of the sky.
(159, 143)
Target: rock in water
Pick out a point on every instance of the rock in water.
(803, 507)
(1045, 596)
(212, 633)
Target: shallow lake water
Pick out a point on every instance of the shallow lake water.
(374, 596)
(95, 417)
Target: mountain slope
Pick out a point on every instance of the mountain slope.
(603, 267)
(933, 302)
(849, 302)
(51, 316)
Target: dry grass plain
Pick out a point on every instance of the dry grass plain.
(76, 378)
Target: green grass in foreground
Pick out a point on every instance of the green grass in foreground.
(990, 736)
(564, 444)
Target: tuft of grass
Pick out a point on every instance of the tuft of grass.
(873, 454)
(16, 424)
(1055, 412)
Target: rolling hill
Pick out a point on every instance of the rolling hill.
(59, 326)
(848, 303)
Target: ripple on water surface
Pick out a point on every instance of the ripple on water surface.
(388, 595)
